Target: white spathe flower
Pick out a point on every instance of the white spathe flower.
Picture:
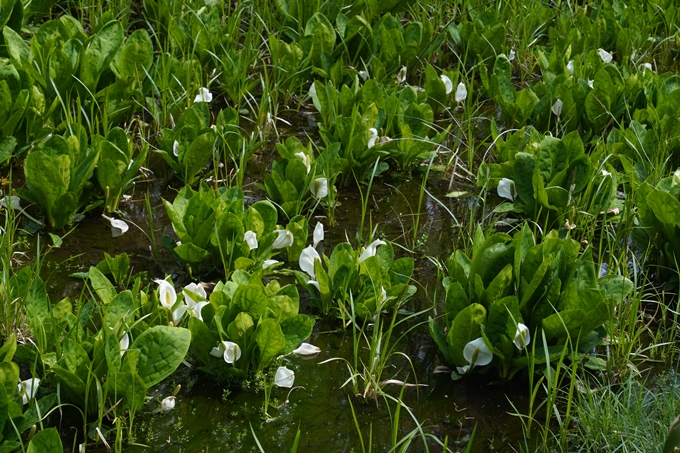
(168, 404)
(605, 173)
(512, 54)
(204, 95)
(570, 67)
(319, 188)
(371, 250)
(591, 83)
(195, 288)
(373, 137)
(307, 349)
(477, 353)
(28, 389)
(645, 67)
(506, 189)
(178, 314)
(284, 377)
(124, 344)
(268, 263)
(118, 227)
(522, 336)
(447, 83)
(557, 108)
(284, 239)
(401, 75)
(305, 160)
(195, 311)
(315, 284)
(251, 239)
(606, 56)
(229, 350)
(318, 234)
(166, 293)
(307, 258)
(175, 148)
(461, 93)
(11, 200)
(383, 295)
(364, 75)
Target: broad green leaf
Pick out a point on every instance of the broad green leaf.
(466, 327)
(296, 329)
(270, 341)
(46, 441)
(161, 351)
(101, 285)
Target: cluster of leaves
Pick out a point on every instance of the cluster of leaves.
(550, 287)
(259, 322)
(212, 224)
(356, 282)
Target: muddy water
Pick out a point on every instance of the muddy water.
(207, 419)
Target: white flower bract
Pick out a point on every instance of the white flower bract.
(204, 95)
(506, 189)
(448, 84)
(284, 239)
(307, 258)
(166, 294)
(522, 336)
(606, 56)
(371, 250)
(118, 227)
(168, 404)
(319, 188)
(251, 239)
(461, 93)
(307, 349)
(28, 389)
(318, 234)
(284, 377)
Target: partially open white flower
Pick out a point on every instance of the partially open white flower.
(229, 350)
(204, 95)
(307, 258)
(461, 93)
(522, 336)
(28, 389)
(118, 227)
(557, 108)
(318, 234)
(373, 137)
(175, 148)
(251, 239)
(570, 67)
(307, 349)
(268, 263)
(319, 188)
(506, 189)
(166, 293)
(124, 344)
(178, 313)
(371, 250)
(606, 56)
(168, 404)
(305, 160)
(401, 75)
(284, 377)
(477, 353)
(195, 288)
(284, 239)
(447, 83)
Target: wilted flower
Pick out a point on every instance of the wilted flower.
(118, 227)
(284, 377)
(28, 389)
(606, 56)
(371, 250)
(570, 67)
(557, 107)
(168, 404)
(251, 239)
(447, 83)
(318, 234)
(229, 350)
(175, 148)
(284, 239)
(319, 188)
(307, 258)
(204, 95)
(522, 336)
(307, 349)
(477, 353)
(506, 189)
(461, 93)
(166, 293)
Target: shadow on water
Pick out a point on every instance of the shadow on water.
(207, 419)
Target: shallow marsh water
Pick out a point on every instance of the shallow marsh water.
(204, 420)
